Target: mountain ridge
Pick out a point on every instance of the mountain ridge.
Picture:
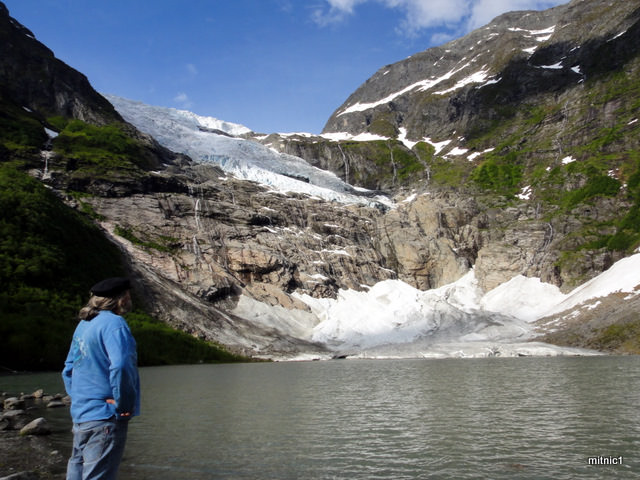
(515, 43)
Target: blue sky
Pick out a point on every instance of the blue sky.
(271, 65)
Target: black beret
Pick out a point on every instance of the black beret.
(111, 287)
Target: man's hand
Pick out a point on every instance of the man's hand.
(113, 402)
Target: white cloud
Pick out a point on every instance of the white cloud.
(337, 11)
(183, 99)
(420, 15)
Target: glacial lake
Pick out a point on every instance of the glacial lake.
(494, 418)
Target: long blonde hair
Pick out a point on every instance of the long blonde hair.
(118, 305)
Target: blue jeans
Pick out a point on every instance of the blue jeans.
(97, 449)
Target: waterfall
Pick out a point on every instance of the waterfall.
(196, 248)
(196, 209)
(46, 155)
(346, 164)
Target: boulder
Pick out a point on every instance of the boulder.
(13, 403)
(14, 420)
(38, 426)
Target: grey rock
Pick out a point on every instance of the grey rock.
(39, 426)
(15, 419)
(14, 403)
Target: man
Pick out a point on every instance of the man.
(101, 376)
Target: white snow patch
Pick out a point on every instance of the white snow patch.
(50, 133)
(617, 36)
(394, 320)
(544, 31)
(522, 297)
(535, 33)
(362, 137)
(403, 138)
(457, 151)
(475, 155)
(336, 252)
(297, 323)
(567, 160)
(410, 198)
(555, 66)
(437, 145)
(477, 77)
(294, 134)
(623, 276)
(525, 193)
(490, 82)
(422, 85)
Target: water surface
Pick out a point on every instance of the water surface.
(515, 418)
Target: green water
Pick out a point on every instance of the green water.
(515, 418)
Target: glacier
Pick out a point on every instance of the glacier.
(394, 320)
(209, 140)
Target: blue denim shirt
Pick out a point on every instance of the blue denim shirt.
(102, 364)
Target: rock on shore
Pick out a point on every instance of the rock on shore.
(26, 447)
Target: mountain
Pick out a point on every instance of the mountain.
(548, 60)
(534, 116)
(410, 234)
(33, 78)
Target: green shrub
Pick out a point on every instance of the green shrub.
(597, 185)
(499, 174)
(425, 151)
(100, 150)
(623, 337)
(128, 234)
(50, 255)
(159, 344)
(58, 122)
(19, 129)
(622, 241)
(384, 127)
(407, 164)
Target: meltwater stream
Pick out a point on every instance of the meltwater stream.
(512, 418)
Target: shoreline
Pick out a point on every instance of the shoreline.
(37, 456)
(30, 457)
